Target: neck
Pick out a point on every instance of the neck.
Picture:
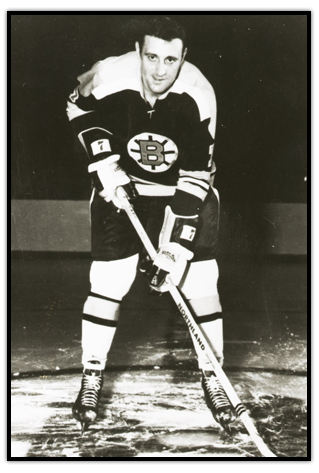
(148, 95)
(150, 99)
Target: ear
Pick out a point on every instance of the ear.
(137, 48)
(184, 54)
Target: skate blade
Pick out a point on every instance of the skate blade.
(226, 428)
(84, 427)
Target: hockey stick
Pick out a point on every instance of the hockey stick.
(198, 335)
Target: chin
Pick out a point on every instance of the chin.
(159, 90)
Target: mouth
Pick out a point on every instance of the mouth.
(158, 81)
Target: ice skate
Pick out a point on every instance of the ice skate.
(85, 407)
(217, 400)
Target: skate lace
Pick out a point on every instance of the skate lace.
(90, 389)
(216, 393)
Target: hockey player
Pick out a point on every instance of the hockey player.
(147, 122)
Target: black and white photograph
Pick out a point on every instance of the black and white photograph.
(159, 234)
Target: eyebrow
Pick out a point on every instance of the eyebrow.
(147, 53)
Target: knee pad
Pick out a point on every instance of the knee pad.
(113, 278)
(200, 287)
(110, 282)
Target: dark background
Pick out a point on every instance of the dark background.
(257, 64)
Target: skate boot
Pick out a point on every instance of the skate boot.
(86, 404)
(217, 400)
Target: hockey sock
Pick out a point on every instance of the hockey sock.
(110, 282)
(212, 327)
(200, 290)
(99, 322)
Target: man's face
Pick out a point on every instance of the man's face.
(160, 64)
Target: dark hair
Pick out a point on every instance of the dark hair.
(163, 27)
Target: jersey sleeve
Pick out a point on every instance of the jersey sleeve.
(197, 167)
(83, 113)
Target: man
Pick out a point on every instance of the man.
(147, 122)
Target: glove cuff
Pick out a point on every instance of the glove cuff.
(104, 162)
(178, 229)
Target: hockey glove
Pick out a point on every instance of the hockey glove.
(171, 260)
(108, 176)
(174, 251)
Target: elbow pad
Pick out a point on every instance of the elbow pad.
(96, 142)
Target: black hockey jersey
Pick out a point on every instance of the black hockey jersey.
(165, 149)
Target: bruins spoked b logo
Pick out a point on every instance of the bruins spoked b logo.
(153, 152)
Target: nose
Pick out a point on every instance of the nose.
(161, 69)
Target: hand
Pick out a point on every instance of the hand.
(168, 266)
(110, 177)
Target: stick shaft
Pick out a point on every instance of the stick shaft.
(198, 335)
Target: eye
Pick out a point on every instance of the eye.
(151, 57)
(170, 60)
